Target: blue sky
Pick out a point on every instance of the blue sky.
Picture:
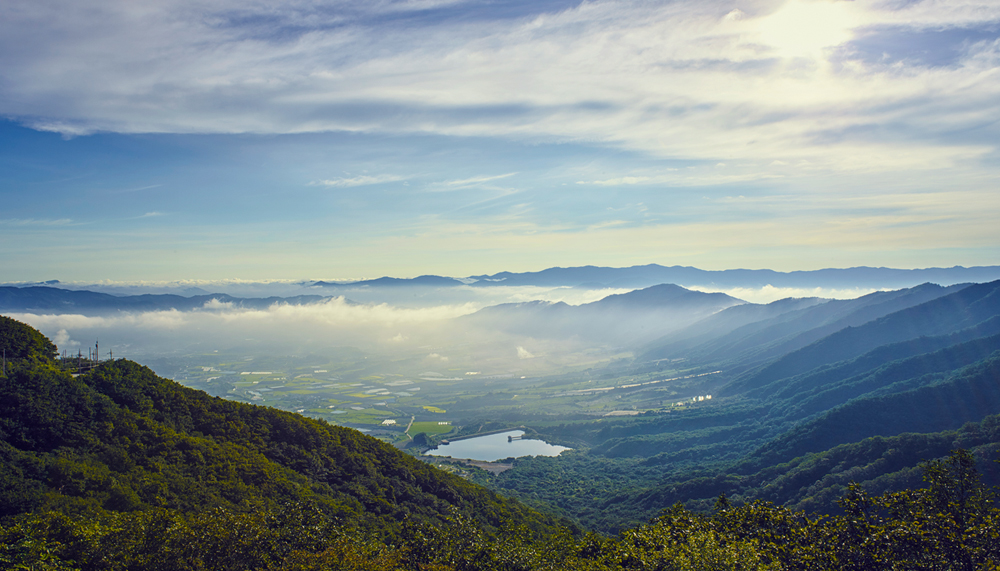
(224, 139)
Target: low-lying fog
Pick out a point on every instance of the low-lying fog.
(416, 324)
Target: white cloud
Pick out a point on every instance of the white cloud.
(769, 293)
(360, 180)
(618, 181)
(216, 305)
(476, 180)
(336, 322)
(63, 341)
(801, 28)
(36, 222)
(796, 116)
(692, 80)
(335, 311)
(428, 335)
(136, 189)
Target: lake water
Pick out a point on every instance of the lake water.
(495, 447)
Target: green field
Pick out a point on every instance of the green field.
(430, 428)
(361, 390)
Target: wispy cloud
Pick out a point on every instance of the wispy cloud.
(36, 222)
(415, 5)
(360, 180)
(617, 181)
(137, 189)
(607, 224)
(718, 174)
(476, 180)
(679, 79)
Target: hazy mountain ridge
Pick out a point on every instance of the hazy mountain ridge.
(722, 323)
(922, 355)
(49, 299)
(620, 319)
(928, 368)
(651, 274)
(946, 314)
(589, 277)
(795, 328)
(419, 281)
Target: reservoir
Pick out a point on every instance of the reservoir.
(496, 447)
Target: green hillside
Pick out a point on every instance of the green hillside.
(924, 378)
(119, 469)
(120, 444)
(121, 438)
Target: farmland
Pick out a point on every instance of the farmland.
(363, 391)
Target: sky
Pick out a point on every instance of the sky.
(287, 139)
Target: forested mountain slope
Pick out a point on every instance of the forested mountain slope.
(924, 378)
(681, 343)
(753, 341)
(120, 438)
(968, 307)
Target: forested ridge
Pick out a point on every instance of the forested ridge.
(908, 377)
(121, 469)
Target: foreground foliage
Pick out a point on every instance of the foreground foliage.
(951, 524)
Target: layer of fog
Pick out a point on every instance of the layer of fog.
(769, 293)
(220, 325)
(406, 296)
(411, 296)
(414, 337)
(418, 333)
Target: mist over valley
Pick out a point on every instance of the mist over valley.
(660, 383)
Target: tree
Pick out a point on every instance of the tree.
(21, 341)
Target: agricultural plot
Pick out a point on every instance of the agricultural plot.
(431, 428)
(382, 396)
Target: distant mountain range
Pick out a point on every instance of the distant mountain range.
(622, 319)
(644, 276)
(635, 277)
(595, 277)
(665, 321)
(419, 281)
(39, 299)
